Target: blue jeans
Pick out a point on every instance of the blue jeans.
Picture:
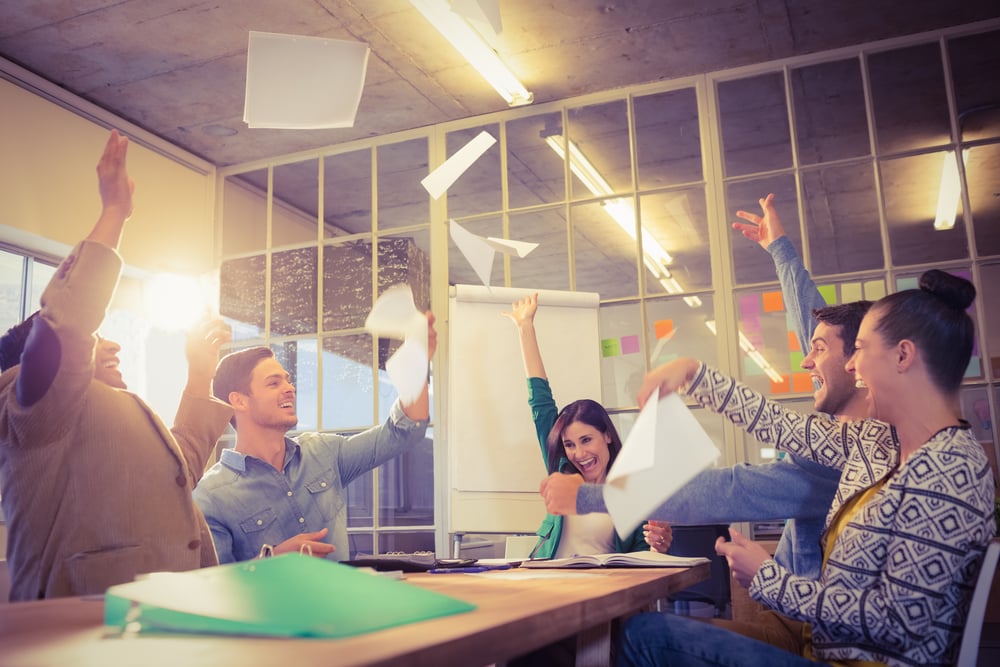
(665, 639)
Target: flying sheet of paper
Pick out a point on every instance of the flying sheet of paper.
(509, 247)
(439, 180)
(394, 315)
(298, 82)
(664, 450)
(480, 251)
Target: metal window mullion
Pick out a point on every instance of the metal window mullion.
(866, 87)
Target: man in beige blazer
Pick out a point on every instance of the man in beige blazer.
(95, 488)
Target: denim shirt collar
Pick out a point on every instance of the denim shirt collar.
(237, 461)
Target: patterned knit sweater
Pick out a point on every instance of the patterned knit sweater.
(897, 584)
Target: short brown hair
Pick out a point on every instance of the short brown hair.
(235, 370)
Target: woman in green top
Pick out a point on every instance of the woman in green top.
(580, 439)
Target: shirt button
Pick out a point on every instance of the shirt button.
(181, 480)
(194, 544)
(260, 522)
(289, 494)
(323, 484)
(302, 519)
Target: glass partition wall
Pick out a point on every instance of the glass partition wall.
(884, 161)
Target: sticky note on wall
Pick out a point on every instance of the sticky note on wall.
(611, 347)
(773, 302)
(630, 344)
(663, 328)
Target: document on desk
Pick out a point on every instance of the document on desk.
(286, 596)
(664, 450)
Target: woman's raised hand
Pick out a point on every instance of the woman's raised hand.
(523, 312)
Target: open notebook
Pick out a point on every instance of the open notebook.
(286, 596)
(632, 559)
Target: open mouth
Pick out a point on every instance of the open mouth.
(287, 404)
(586, 464)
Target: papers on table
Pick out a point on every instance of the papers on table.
(395, 316)
(439, 180)
(479, 251)
(664, 450)
(297, 82)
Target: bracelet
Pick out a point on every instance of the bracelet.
(266, 551)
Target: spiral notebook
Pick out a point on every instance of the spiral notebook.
(286, 596)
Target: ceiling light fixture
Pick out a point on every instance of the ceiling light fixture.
(949, 192)
(471, 44)
(621, 211)
(751, 351)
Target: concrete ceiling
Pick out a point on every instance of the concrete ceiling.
(177, 67)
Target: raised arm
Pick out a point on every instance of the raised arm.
(522, 314)
(201, 419)
(75, 301)
(797, 287)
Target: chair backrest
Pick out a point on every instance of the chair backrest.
(968, 654)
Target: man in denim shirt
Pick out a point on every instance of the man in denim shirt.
(289, 493)
(790, 488)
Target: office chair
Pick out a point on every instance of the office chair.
(968, 653)
(700, 541)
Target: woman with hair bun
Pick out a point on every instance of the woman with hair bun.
(909, 525)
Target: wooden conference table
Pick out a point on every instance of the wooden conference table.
(514, 615)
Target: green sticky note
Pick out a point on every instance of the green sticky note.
(795, 358)
(611, 347)
(829, 293)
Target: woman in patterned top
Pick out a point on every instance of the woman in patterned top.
(911, 519)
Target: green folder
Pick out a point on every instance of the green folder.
(286, 596)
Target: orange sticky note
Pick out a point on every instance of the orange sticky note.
(663, 328)
(793, 342)
(780, 387)
(801, 382)
(773, 302)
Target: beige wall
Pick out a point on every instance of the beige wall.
(48, 189)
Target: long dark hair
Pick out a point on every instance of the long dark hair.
(587, 412)
(934, 318)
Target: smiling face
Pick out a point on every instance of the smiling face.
(271, 401)
(825, 362)
(106, 363)
(873, 365)
(587, 449)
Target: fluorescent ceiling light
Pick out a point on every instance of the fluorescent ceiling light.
(470, 43)
(621, 211)
(751, 351)
(949, 191)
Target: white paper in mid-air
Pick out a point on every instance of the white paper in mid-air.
(480, 251)
(664, 450)
(394, 315)
(438, 181)
(303, 83)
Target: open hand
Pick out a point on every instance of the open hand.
(764, 230)
(523, 311)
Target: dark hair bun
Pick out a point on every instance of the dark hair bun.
(957, 292)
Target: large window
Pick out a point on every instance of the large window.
(630, 194)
